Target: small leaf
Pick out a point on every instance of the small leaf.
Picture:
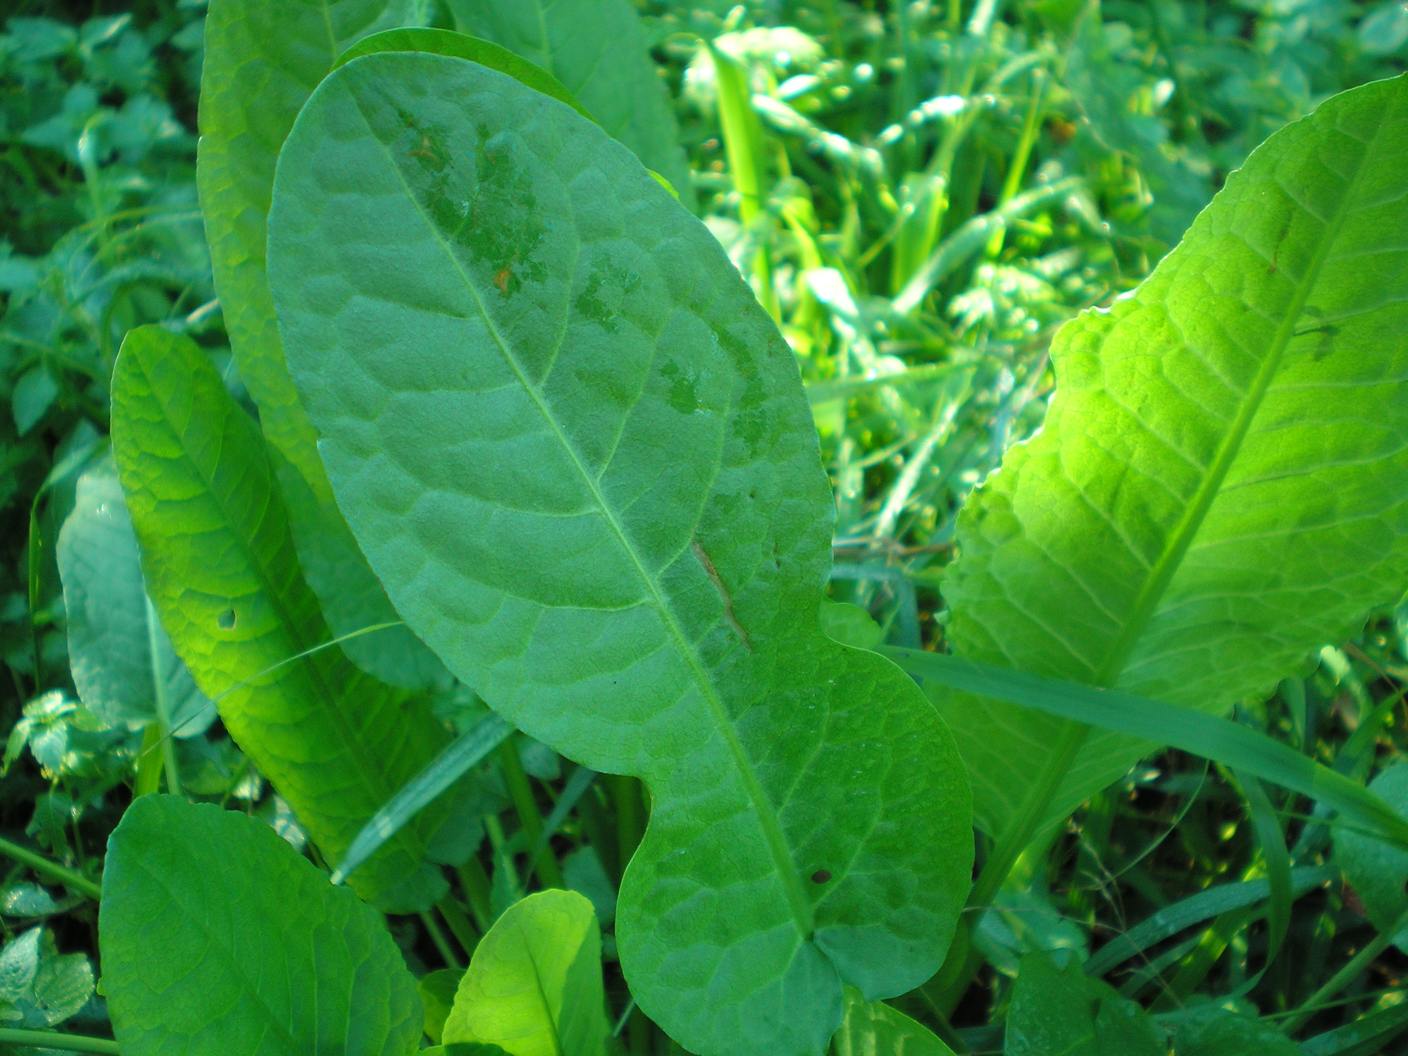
(218, 938)
(123, 664)
(1060, 1010)
(534, 985)
(437, 997)
(1216, 1032)
(874, 1029)
(33, 395)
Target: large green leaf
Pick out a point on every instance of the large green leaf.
(578, 454)
(1221, 484)
(218, 939)
(225, 580)
(534, 984)
(597, 49)
(262, 59)
(874, 1029)
(123, 665)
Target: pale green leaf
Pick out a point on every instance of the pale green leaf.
(262, 59)
(534, 985)
(1221, 484)
(122, 662)
(874, 1029)
(225, 580)
(1375, 868)
(597, 50)
(1059, 1011)
(219, 939)
(578, 454)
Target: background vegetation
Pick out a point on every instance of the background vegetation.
(926, 190)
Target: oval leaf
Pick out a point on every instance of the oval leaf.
(578, 454)
(875, 1029)
(225, 580)
(534, 984)
(1377, 869)
(1221, 485)
(218, 938)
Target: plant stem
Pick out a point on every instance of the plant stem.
(48, 1039)
(521, 793)
(459, 925)
(476, 884)
(53, 870)
(447, 954)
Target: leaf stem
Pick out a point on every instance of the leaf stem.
(53, 870)
(529, 817)
(442, 944)
(48, 1039)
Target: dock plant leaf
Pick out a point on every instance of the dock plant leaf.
(219, 938)
(597, 50)
(534, 987)
(262, 59)
(225, 580)
(578, 454)
(1221, 484)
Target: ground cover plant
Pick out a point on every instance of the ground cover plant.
(804, 631)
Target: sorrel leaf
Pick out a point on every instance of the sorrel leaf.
(219, 938)
(579, 456)
(225, 580)
(534, 985)
(123, 665)
(262, 59)
(597, 50)
(1221, 484)
(875, 1029)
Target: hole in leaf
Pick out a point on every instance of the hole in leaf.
(821, 876)
(226, 620)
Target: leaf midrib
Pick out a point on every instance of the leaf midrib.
(786, 867)
(370, 773)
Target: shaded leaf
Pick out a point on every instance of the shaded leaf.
(1375, 868)
(621, 538)
(121, 658)
(218, 938)
(1058, 1009)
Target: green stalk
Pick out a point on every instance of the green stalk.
(476, 884)
(521, 792)
(458, 922)
(442, 944)
(53, 870)
(48, 1039)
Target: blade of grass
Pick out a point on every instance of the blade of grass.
(443, 771)
(1195, 732)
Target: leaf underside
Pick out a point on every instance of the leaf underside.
(218, 938)
(262, 59)
(1221, 484)
(223, 575)
(578, 455)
